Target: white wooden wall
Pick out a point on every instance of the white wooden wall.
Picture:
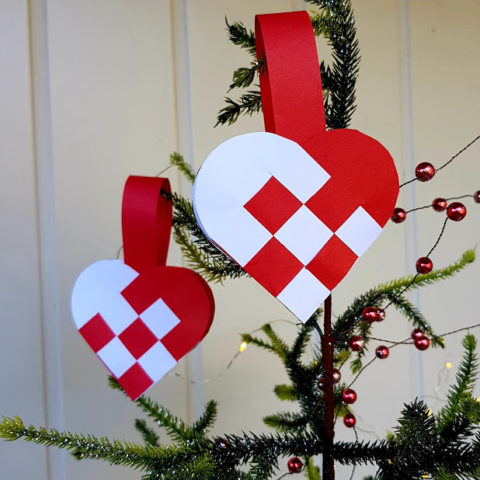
(92, 91)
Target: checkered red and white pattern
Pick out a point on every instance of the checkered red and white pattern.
(270, 223)
(128, 342)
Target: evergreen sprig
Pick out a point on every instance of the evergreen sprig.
(286, 421)
(351, 320)
(441, 446)
(239, 35)
(201, 255)
(249, 103)
(178, 161)
(148, 434)
(176, 428)
(335, 21)
(286, 392)
(86, 446)
(206, 421)
(460, 398)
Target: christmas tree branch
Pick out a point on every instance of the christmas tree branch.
(286, 392)
(201, 255)
(248, 104)
(439, 445)
(348, 321)
(286, 421)
(459, 398)
(335, 22)
(178, 430)
(87, 446)
(177, 160)
(206, 421)
(239, 35)
(148, 434)
(278, 345)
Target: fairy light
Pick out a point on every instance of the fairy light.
(448, 365)
(429, 412)
(243, 346)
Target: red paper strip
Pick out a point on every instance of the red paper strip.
(146, 222)
(291, 86)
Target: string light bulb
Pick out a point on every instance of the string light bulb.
(243, 346)
(448, 365)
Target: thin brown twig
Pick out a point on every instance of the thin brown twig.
(407, 341)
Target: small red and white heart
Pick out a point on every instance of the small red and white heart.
(141, 325)
(296, 218)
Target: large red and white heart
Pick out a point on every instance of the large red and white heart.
(141, 325)
(296, 219)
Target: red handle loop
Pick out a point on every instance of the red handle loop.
(290, 83)
(146, 222)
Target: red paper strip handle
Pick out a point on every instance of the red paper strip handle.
(146, 222)
(290, 83)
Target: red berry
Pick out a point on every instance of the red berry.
(422, 343)
(294, 465)
(349, 420)
(439, 204)
(424, 171)
(369, 314)
(417, 333)
(373, 314)
(336, 376)
(456, 211)
(399, 215)
(356, 343)
(424, 265)
(349, 396)
(382, 352)
(222, 443)
(476, 196)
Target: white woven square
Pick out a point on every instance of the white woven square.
(159, 318)
(157, 361)
(303, 295)
(304, 234)
(116, 357)
(297, 171)
(359, 231)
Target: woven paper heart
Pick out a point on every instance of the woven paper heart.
(139, 316)
(139, 325)
(298, 208)
(295, 225)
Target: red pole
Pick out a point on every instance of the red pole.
(327, 343)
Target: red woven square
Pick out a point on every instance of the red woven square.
(273, 205)
(96, 332)
(273, 267)
(135, 381)
(332, 262)
(138, 338)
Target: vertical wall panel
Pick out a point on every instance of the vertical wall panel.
(445, 38)
(21, 375)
